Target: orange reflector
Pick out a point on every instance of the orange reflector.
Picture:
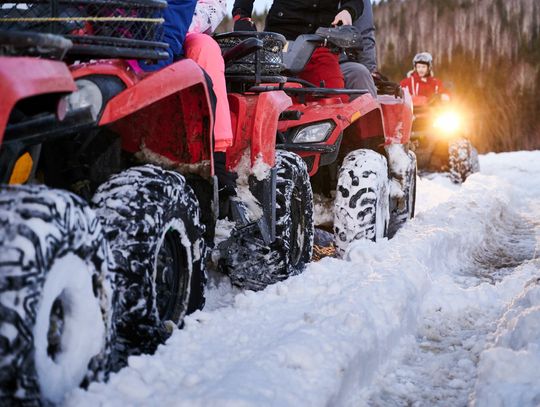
(355, 116)
(22, 170)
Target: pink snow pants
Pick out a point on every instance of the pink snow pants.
(206, 52)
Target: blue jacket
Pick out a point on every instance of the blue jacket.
(177, 15)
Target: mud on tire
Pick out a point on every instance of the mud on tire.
(463, 160)
(251, 263)
(402, 211)
(55, 295)
(294, 212)
(151, 219)
(361, 208)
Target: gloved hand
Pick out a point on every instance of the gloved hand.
(244, 24)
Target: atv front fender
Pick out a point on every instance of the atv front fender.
(255, 122)
(166, 116)
(24, 77)
(398, 118)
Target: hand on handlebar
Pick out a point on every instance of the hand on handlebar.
(342, 18)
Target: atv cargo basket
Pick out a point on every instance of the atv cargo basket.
(266, 61)
(97, 28)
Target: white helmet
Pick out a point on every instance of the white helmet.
(423, 58)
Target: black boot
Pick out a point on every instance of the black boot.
(226, 184)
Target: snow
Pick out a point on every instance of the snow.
(322, 209)
(245, 196)
(83, 332)
(447, 313)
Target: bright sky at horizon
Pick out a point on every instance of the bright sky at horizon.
(259, 5)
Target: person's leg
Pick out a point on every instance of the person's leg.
(357, 76)
(206, 52)
(324, 66)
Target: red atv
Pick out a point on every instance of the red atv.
(440, 139)
(109, 201)
(355, 152)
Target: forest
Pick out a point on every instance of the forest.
(486, 51)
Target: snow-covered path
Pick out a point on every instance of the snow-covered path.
(427, 318)
(438, 365)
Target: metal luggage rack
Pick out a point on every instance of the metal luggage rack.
(97, 28)
(267, 61)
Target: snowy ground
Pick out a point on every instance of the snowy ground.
(445, 314)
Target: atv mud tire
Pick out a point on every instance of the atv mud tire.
(294, 212)
(151, 218)
(402, 210)
(361, 208)
(252, 264)
(462, 161)
(55, 296)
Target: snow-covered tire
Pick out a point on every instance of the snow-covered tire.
(462, 161)
(55, 295)
(361, 208)
(151, 218)
(294, 213)
(250, 263)
(401, 212)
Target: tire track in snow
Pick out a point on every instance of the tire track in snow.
(438, 366)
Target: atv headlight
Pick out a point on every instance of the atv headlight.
(448, 122)
(313, 133)
(87, 94)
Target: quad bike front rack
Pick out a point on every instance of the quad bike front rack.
(97, 28)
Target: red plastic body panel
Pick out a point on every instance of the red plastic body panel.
(255, 122)
(23, 77)
(358, 111)
(113, 67)
(166, 115)
(342, 114)
(398, 118)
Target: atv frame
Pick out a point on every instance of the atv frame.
(379, 126)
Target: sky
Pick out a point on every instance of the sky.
(259, 5)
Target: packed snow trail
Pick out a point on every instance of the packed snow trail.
(438, 366)
(400, 321)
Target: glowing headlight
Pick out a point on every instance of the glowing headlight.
(87, 94)
(448, 122)
(314, 133)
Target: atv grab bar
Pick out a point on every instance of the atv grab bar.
(244, 48)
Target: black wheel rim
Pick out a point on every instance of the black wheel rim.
(56, 329)
(172, 277)
(298, 233)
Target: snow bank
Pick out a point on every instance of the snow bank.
(508, 372)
